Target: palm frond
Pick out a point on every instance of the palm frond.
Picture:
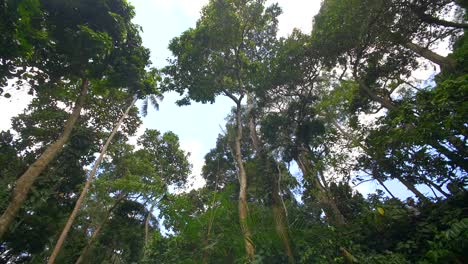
(144, 107)
(154, 100)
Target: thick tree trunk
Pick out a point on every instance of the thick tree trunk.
(444, 62)
(80, 200)
(24, 183)
(96, 232)
(243, 208)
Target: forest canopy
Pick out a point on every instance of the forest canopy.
(314, 114)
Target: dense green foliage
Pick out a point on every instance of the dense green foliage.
(315, 114)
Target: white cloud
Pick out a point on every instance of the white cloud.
(296, 14)
(192, 8)
(11, 107)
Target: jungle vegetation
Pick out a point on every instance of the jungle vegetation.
(313, 115)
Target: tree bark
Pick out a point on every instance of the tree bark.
(147, 220)
(280, 217)
(24, 183)
(328, 204)
(445, 63)
(374, 97)
(243, 208)
(80, 200)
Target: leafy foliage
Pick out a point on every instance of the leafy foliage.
(325, 111)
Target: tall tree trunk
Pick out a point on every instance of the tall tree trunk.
(437, 187)
(24, 183)
(279, 213)
(338, 217)
(412, 188)
(74, 213)
(384, 102)
(207, 239)
(385, 187)
(408, 185)
(147, 220)
(243, 208)
(328, 204)
(444, 62)
(280, 217)
(96, 232)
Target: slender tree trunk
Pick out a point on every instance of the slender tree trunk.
(280, 218)
(147, 220)
(412, 188)
(96, 232)
(444, 62)
(278, 210)
(252, 125)
(438, 188)
(338, 217)
(80, 200)
(211, 220)
(328, 204)
(408, 185)
(85, 251)
(325, 193)
(243, 208)
(207, 239)
(24, 183)
(385, 187)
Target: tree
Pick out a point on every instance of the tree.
(55, 192)
(219, 57)
(72, 217)
(144, 174)
(99, 42)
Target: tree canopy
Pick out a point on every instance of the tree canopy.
(314, 116)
